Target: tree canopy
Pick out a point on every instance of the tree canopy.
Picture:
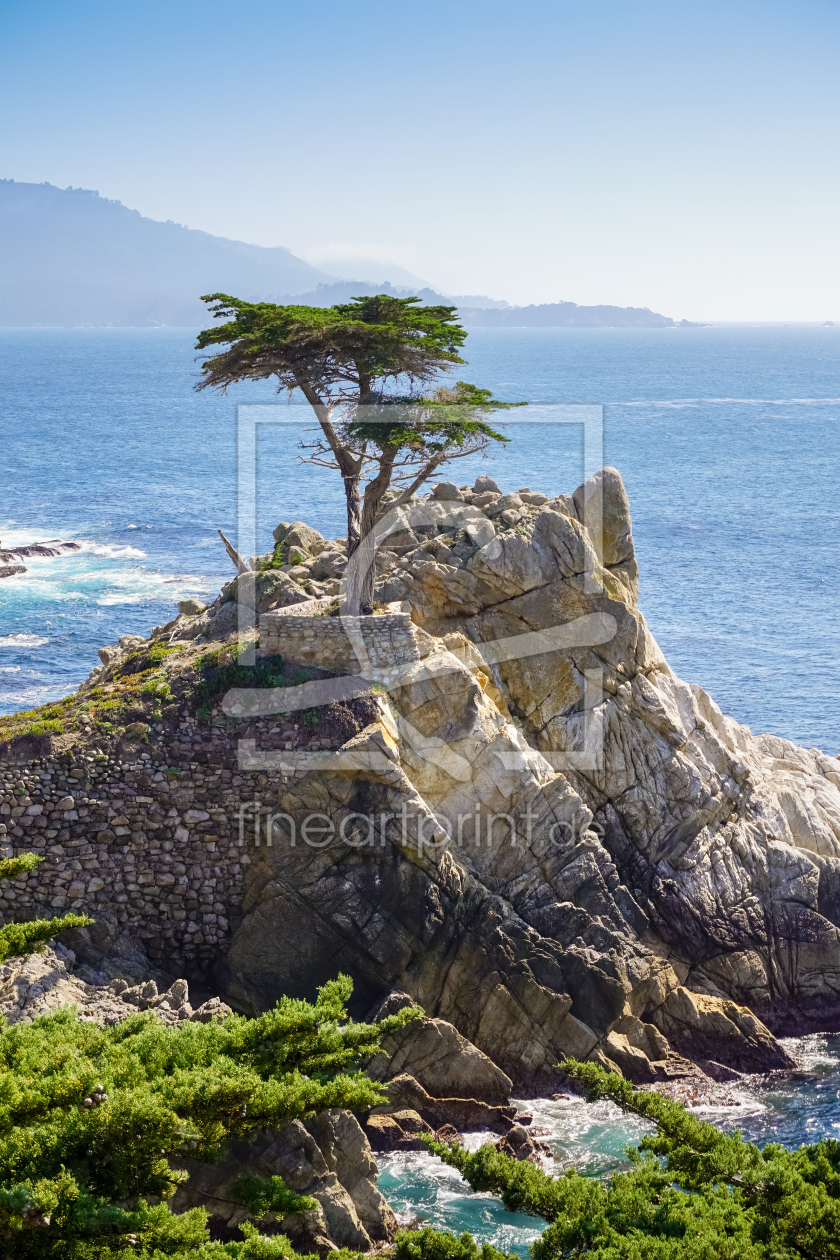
(334, 354)
(90, 1117)
(342, 358)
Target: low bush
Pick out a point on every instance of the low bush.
(692, 1193)
(90, 1116)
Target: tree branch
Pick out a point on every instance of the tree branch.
(241, 566)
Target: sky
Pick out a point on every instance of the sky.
(680, 156)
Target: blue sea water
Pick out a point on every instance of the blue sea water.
(728, 439)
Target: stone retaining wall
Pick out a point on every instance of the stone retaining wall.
(157, 845)
(369, 646)
(154, 849)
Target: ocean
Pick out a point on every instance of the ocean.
(728, 439)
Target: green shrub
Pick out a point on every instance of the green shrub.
(43, 728)
(692, 1192)
(278, 558)
(220, 671)
(431, 1244)
(90, 1116)
(261, 1195)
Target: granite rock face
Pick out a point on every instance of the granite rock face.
(539, 833)
(327, 1158)
(443, 1062)
(629, 875)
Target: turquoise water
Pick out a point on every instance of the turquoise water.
(728, 440)
(593, 1139)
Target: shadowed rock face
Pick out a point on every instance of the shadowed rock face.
(655, 881)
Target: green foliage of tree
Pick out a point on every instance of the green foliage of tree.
(692, 1192)
(90, 1118)
(261, 1195)
(344, 356)
(431, 1244)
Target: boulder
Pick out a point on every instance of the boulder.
(518, 1144)
(330, 563)
(385, 1134)
(397, 1131)
(483, 484)
(328, 1158)
(505, 503)
(447, 490)
(265, 591)
(300, 535)
(481, 531)
(406, 1094)
(231, 618)
(443, 1062)
(703, 1027)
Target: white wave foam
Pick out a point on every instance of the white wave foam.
(116, 552)
(752, 402)
(135, 597)
(21, 640)
(9, 669)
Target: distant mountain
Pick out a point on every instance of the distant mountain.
(344, 290)
(72, 257)
(370, 270)
(569, 315)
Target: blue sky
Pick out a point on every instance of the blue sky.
(672, 155)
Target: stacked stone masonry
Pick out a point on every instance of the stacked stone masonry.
(368, 646)
(154, 848)
(160, 847)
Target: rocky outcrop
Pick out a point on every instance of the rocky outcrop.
(542, 835)
(406, 1095)
(41, 982)
(443, 1062)
(41, 550)
(643, 852)
(327, 1158)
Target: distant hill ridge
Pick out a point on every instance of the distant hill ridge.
(69, 257)
(570, 315)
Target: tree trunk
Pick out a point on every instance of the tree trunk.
(349, 465)
(362, 567)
